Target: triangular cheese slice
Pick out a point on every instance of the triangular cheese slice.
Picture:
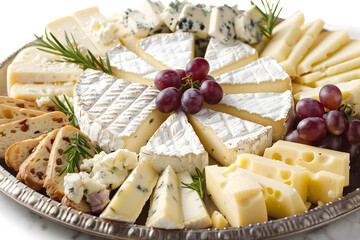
(225, 136)
(116, 113)
(284, 38)
(325, 44)
(129, 66)
(175, 143)
(267, 109)
(167, 51)
(309, 33)
(262, 75)
(226, 57)
(339, 78)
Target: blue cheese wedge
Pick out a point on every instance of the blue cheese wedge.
(165, 203)
(136, 22)
(221, 24)
(194, 19)
(246, 26)
(171, 14)
(152, 11)
(131, 197)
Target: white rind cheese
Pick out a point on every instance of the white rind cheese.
(171, 14)
(165, 203)
(246, 26)
(225, 136)
(175, 143)
(193, 208)
(164, 51)
(221, 25)
(223, 58)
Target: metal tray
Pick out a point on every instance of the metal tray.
(39, 203)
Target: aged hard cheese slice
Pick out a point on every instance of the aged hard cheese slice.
(127, 65)
(171, 14)
(116, 113)
(193, 208)
(130, 42)
(313, 158)
(339, 78)
(33, 54)
(285, 35)
(165, 203)
(264, 74)
(164, 51)
(194, 19)
(101, 31)
(239, 198)
(325, 44)
(281, 199)
(175, 143)
(10, 114)
(225, 136)
(132, 195)
(218, 220)
(223, 58)
(221, 25)
(267, 109)
(309, 33)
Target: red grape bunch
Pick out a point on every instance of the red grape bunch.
(187, 88)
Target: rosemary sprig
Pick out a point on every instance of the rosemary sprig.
(79, 144)
(98, 149)
(67, 109)
(197, 183)
(269, 16)
(71, 52)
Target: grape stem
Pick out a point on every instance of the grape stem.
(188, 81)
(346, 110)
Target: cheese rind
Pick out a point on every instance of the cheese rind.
(165, 204)
(193, 208)
(223, 58)
(132, 195)
(313, 158)
(221, 25)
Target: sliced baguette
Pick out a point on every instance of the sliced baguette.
(10, 114)
(27, 128)
(13, 102)
(33, 170)
(54, 182)
(83, 206)
(19, 151)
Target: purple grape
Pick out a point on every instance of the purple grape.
(167, 78)
(168, 100)
(207, 77)
(330, 96)
(330, 141)
(352, 132)
(335, 122)
(211, 91)
(312, 129)
(181, 73)
(198, 68)
(293, 136)
(192, 101)
(308, 107)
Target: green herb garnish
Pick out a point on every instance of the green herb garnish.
(98, 149)
(269, 16)
(67, 109)
(71, 52)
(197, 183)
(77, 150)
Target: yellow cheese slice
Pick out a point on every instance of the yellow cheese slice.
(339, 78)
(218, 220)
(297, 87)
(130, 41)
(284, 38)
(239, 198)
(313, 158)
(259, 47)
(309, 33)
(325, 187)
(325, 44)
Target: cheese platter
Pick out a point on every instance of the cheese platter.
(121, 115)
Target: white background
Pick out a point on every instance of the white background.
(20, 20)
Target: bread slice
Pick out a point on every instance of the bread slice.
(33, 170)
(19, 151)
(13, 132)
(13, 102)
(54, 182)
(83, 206)
(10, 114)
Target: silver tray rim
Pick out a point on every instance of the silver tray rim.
(56, 212)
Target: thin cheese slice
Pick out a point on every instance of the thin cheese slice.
(284, 38)
(308, 36)
(325, 44)
(223, 57)
(218, 220)
(130, 41)
(167, 51)
(297, 88)
(29, 54)
(339, 78)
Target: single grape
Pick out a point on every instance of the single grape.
(297, 119)
(312, 129)
(352, 132)
(168, 100)
(293, 136)
(335, 122)
(167, 78)
(192, 101)
(308, 107)
(211, 91)
(181, 73)
(198, 68)
(330, 142)
(330, 96)
(208, 77)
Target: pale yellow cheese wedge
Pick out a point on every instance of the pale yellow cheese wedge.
(309, 33)
(284, 38)
(325, 44)
(239, 198)
(297, 87)
(130, 41)
(313, 158)
(339, 78)
(218, 220)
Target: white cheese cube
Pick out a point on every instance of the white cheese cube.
(194, 19)
(246, 26)
(221, 24)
